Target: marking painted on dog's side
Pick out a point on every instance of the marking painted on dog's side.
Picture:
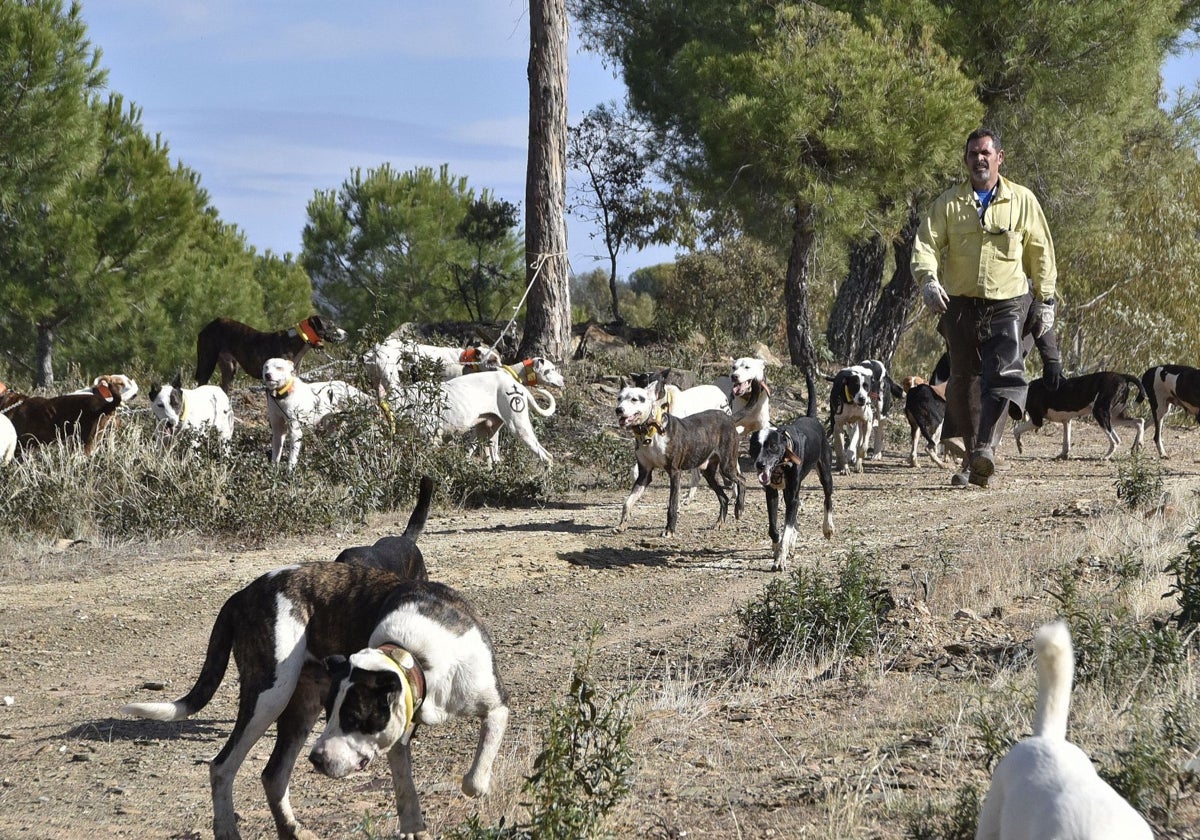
(516, 400)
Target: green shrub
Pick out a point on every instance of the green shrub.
(1111, 648)
(1185, 567)
(582, 771)
(1151, 769)
(1139, 482)
(957, 821)
(811, 613)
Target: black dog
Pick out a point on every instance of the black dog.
(681, 379)
(1167, 386)
(398, 555)
(782, 458)
(1103, 394)
(925, 411)
(230, 343)
(707, 440)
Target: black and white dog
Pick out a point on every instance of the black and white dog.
(418, 654)
(852, 413)
(782, 457)
(706, 440)
(884, 391)
(398, 555)
(1168, 386)
(1104, 395)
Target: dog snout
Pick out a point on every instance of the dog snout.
(318, 761)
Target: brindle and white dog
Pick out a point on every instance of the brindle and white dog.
(418, 654)
(707, 440)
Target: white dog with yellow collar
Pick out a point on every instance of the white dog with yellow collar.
(293, 404)
(297, 635)
(197, 409)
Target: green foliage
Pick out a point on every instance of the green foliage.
(809, 613)
(695, 296)
(1139, 482)
(582, 771)
(382, 246)
(1151, 769)
(1185, 588)
(591, 300)
(957, 821)
(1111, 648)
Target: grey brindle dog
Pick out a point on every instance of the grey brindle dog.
(707, 440)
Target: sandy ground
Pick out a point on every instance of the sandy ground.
(96, 626)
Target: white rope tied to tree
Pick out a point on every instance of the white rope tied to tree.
(538, 262)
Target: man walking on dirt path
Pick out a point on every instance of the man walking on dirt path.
(987, 241)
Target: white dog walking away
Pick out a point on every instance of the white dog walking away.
(1046, 787)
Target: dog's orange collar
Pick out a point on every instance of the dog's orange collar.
(526, 375)
(287, 388)
(305, 330)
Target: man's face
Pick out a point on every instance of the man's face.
(983, 162)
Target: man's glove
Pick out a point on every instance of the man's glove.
(1043, 317)
(935, 296)
(1052, 375)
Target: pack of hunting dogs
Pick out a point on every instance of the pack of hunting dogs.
(372, 643)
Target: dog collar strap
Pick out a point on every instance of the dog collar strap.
(530, 375)
(310, 335)
(849, 396)
(512, 372)
(414, 682)
(287, 387)
(182, 406)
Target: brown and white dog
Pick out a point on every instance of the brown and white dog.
(925, 411)
(293, 405)
(706, 440)
(1168, 386)
(417, 655)
(227, 343)
(749, 396)
(110, 383)
(1103, 394)
(41, 420)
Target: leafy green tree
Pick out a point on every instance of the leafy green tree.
(95, 255)
(493, 277)
(382, 247)
(626, 213)
(809, 122)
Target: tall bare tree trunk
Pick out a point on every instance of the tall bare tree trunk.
(795, 292)
(44, 373)
(548, 312)
(854, 306)
(891, 315)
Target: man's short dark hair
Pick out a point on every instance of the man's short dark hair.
(981, 132)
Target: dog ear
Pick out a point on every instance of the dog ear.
(338, 666)
(177, 382)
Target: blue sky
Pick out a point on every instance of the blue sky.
(270, 100)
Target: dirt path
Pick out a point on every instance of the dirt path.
(100, 626)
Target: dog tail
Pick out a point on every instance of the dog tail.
(216, 660)
(1138, 383)
(1056, 672)
(812, 393)
(533, 403)
(416, 522)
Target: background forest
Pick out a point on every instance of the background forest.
(783, 148)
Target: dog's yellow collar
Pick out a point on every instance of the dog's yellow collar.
(182, 406)
(287, 387)
(647, 431)
(414, 683)
(526, 375)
